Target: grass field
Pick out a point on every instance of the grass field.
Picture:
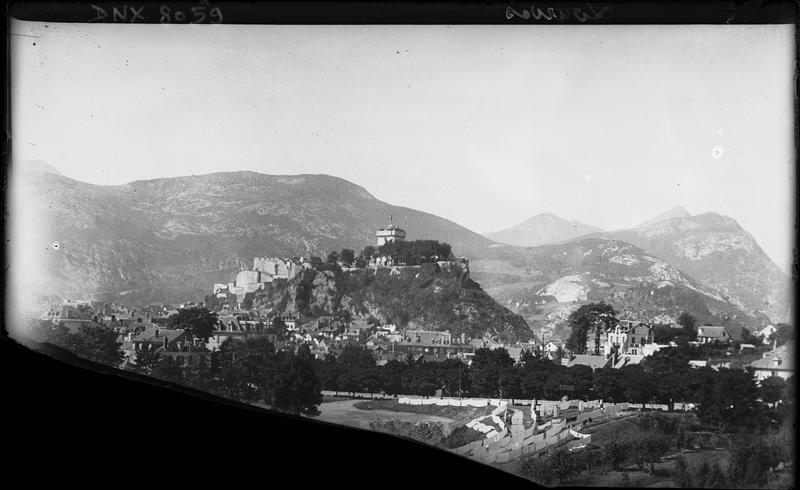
(461, 415)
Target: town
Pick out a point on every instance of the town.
(625, 343)
(510, 401)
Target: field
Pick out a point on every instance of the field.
(347, 413)
(460, 415)
(664, 470)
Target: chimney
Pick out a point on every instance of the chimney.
(156, 333)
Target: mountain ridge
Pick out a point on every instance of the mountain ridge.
(542, 229)
(153, 239)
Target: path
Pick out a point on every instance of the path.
(345, 413)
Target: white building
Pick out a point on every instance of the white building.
(390, 234)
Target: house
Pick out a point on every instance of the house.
(765, 334)
(594, 362)
(156, 337)
(175, 343)
(432, 342)
(777, 362)
(672, 325)
(695, 364)
(515, 353)
(619, 361)
(708, 334)
(487, 343)
(550, 349)
(427, 337)
(747, 347)
(241, 327)
(627, 337)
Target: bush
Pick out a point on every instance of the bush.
(461, 436)
(617, 453)
(751, 460)
(716, 478)
(680, 473)
(538, 469)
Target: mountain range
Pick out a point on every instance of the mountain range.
(542, 229)
(709, 248)
(171, 239)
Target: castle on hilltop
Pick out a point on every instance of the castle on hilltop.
(390, 234)
(264, 271)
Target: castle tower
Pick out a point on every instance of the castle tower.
(390, 234)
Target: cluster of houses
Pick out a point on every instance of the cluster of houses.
(628, 343)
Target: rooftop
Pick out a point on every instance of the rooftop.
(592, 361)
(158, 335)
(784, 354)
(712, 331)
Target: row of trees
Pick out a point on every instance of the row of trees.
(413, 252)
(249, 371)
(726, 399)
(416, 252)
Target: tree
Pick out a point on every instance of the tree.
(416, 252)
(200, 375)
(652, 446)
(167, 369)
(196, 321)
(689, 324)
(598, 316)
(681, 473)
(772, 389)
(485, 371)
(56, 334)
(730, 400)
(304, 352)
(247, 302)
(783, 334)
(333, 257)
(347, 256)
(367, 253)
(146, 360)
(297, 389)
(580, 378)
(356, 356)
(97, 343)
(277, 325)
(666, 361)
(617, 452)
(609, 384)
(640, 387)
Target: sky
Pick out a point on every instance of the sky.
(483, 125)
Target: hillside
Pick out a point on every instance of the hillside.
(170, 239)
(543, 229)
(428, 296)
(716, 251)
(551, 281)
